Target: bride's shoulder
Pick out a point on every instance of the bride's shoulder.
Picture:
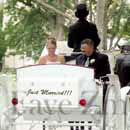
(43, 60)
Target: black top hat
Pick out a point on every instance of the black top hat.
(81, 10)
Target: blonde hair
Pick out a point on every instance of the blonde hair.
(52, 40)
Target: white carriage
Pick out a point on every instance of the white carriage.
(57, 94)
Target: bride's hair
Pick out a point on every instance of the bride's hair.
(52, 40)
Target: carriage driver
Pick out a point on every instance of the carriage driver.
(82, 29)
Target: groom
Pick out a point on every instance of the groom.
(90, 58)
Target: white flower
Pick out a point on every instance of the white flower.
(92, 61)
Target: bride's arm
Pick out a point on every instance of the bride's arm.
(42, 60)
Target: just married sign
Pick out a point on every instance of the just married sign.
(52, 83)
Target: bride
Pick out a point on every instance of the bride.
(51, 57)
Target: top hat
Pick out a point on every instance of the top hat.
(81, 10)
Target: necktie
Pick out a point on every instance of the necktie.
(87, 62)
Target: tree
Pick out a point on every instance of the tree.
(111, 20)
(31, 22)
(2, 42)
(100, 20)
(121, 24)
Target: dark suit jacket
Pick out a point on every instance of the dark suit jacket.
(81, 30)
(101, 64)
(122, 68)
(125, 73)
(119, 60)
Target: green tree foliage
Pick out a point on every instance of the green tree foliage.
(30, 23)
(26, 28)
(120, 23)
(2, 42)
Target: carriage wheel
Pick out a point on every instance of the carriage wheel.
(127, 114)
(112, 118)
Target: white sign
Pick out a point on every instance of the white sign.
(52, 84)
(50, 90)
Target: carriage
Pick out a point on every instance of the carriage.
(53, 95)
